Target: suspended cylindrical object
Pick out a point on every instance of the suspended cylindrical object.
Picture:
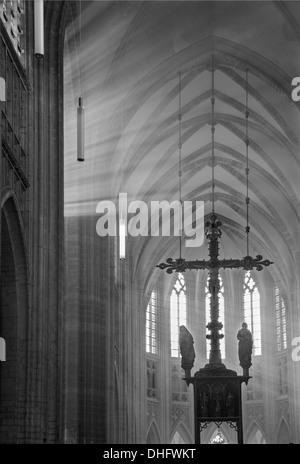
(2, 349)
(122, 236)
(80, 130)
(39, 28)
(2, 90)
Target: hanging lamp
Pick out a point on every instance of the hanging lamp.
(2, 89)
(39, 28)
(80, 130)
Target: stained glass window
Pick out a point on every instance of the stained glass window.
(151, 324)
(178, 313)
(252, 311)
(280, 315)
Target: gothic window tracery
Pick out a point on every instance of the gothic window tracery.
(252, 311)
(151, 324)
(12, 14)
(280, 315)
(177, 313)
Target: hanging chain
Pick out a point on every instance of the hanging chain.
(180, 162)
(247, 163)
(213, 133)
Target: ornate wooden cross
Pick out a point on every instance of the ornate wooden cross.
(213, 233)
(217, 390)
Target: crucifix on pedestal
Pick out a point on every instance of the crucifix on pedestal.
(217, 390)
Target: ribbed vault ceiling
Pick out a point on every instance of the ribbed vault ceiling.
(128, 68)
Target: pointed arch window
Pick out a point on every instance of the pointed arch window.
(280, 315)
(252, 311)
(177, 313)
(221, 316)
(151, 324)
